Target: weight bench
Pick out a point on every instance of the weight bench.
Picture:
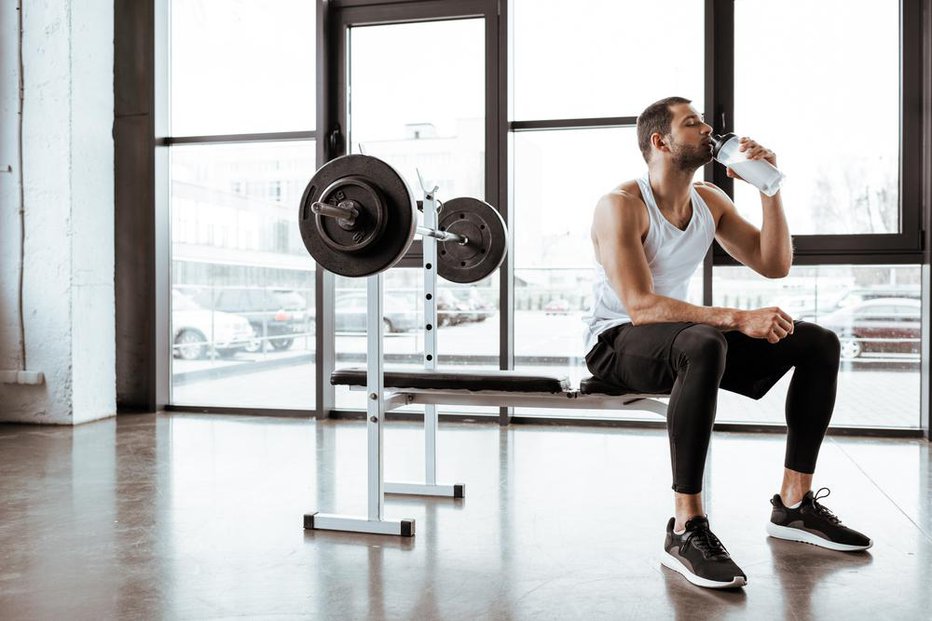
(498, 389)
(358, 218)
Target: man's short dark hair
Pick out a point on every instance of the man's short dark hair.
(656, 117)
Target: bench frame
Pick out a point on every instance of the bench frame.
(379, 401)
(568, 400)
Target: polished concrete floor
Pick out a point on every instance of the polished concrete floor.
(200, 517)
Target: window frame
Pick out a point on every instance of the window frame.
(335, 18)
(909, 246)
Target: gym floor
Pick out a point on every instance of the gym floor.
(182, 516)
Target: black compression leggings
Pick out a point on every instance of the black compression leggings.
(692, 361)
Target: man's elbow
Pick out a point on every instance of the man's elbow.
(779, 271)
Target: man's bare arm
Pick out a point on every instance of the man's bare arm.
(769, 250)
(776, 246)
(617, 226)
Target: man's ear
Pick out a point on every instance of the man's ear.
(659, 142)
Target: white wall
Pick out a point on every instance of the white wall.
(68, 191)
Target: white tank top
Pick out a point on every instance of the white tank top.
(672, 255)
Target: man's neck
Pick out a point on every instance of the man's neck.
(671, 187)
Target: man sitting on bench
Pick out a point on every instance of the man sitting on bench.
(649, 236)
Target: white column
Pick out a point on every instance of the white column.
(68, 196)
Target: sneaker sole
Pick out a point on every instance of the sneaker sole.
(671, 562)
(802, 536)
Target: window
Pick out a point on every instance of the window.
(879, 379)
(555, 193)
(829, 108)
(418, 84)
(431, 120)
(442, 138)
(241, 151)
(222, 85)
(590, 59)
(249, 277)
(574, 140)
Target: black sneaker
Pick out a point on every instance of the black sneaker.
(812, 522)
(700, 557)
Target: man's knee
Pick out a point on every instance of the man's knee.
(704, 345)
(818, 343)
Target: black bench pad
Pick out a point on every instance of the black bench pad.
(504, 381)
(595, 386)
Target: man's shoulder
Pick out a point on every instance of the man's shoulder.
(622, 207)
(623, 195)
(709, 190)
(715, 198)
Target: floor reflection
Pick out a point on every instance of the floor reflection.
(689, 603)
(195, 516)
(804, 572)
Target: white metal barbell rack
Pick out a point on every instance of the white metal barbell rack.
(375, 521)
(429, 487)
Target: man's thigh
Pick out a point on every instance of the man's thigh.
(636, 357)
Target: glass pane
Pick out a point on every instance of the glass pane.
(468, 327)
(555, 193)
(242, 282)
(242, 66)
(875, 310)
(559, 177)
(601, 57)
(418, 101)
(829, 108)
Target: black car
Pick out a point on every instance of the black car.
(276, 315)
(400, 312)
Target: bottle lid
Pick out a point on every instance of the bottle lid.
(719, 141)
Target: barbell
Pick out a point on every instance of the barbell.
(358, 217)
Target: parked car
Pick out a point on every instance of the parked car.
(399, 313)
(882, 325)
(854, 296)
(471, 306)
(276, 315)
(851, 297)
(450, 310)
(557, 306)
(195, 330)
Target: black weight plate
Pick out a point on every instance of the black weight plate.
(483, 226)
(370, 218)
(400, 216)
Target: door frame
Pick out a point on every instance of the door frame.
(334, 19)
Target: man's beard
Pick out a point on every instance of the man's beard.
(689, 159)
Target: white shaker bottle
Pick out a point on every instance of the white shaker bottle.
(760, 173)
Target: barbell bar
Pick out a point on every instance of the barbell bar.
(358, 217)
(346, 213)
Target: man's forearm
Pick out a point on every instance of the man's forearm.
(776, 248)
(655, 308)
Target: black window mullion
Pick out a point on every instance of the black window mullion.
(719, 106)
(169, 141)
(585, 123)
